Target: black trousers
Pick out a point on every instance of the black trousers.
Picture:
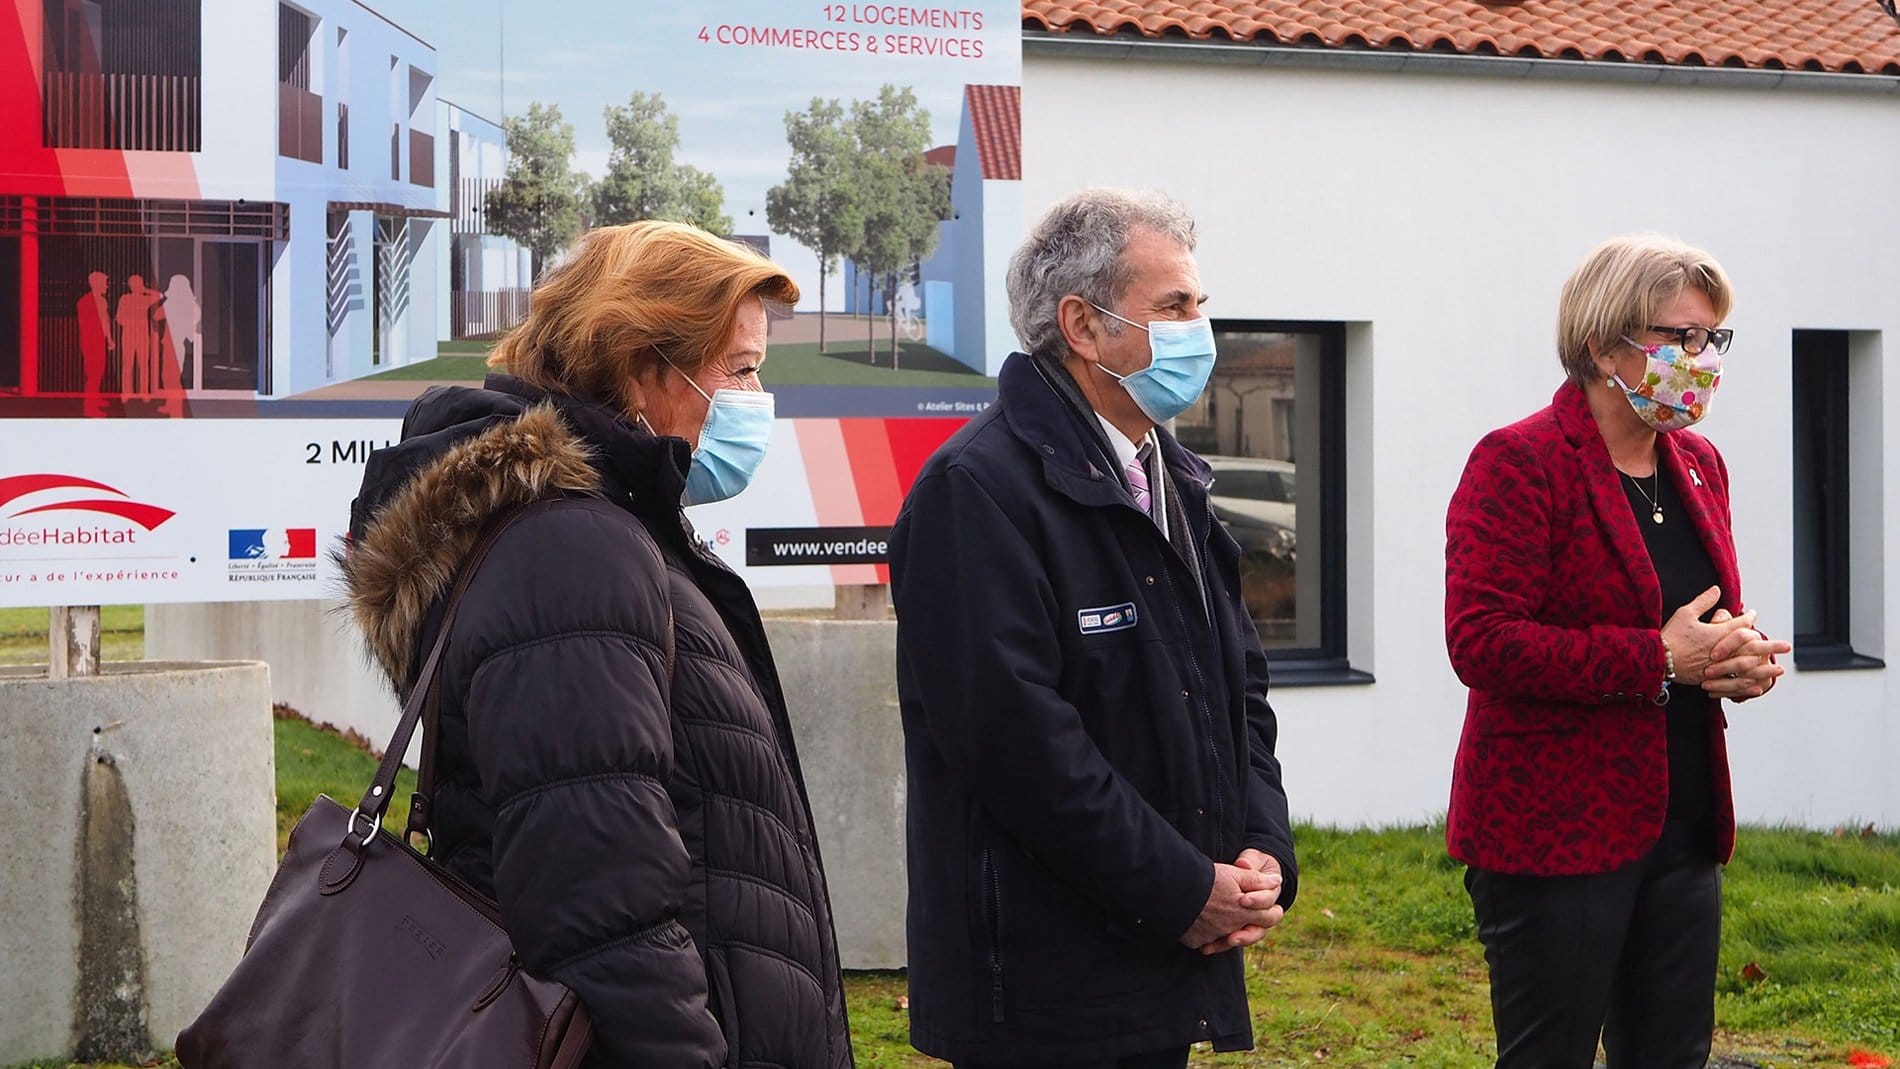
(1161, 1059)
(1628, 955)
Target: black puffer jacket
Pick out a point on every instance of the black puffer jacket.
(643, 826)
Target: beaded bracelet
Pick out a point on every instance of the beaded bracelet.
(1669, 673)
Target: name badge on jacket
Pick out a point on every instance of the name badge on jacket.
(1107, 618)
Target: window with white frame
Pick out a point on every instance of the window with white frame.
(1838, 559)
(1271, 424)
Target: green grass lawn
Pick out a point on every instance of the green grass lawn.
(787, 364)
(455, 361)
(313, 760)
(23, 634)
(844, 364)
(448, 367)
(1378, 964)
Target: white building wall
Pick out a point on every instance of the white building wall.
(447, 123)
(429, 262)
(239, 92)
(349, 347)
(964, 247)
(302, 354)
(299, 337)
(1439, 214)
(441, 252)
(494, 263)
(1002, 231)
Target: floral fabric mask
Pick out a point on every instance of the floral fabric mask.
(1676, 387)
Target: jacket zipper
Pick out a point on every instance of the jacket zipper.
(1207, 715)
(993, 916)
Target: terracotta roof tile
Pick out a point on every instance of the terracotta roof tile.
(996, 117)
(1853, 36)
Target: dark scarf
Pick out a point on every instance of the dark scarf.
(1063, 384)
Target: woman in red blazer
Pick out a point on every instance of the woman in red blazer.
(1593, 607)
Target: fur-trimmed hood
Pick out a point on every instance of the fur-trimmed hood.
(467, 456)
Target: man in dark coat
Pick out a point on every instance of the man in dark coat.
(1096, 819)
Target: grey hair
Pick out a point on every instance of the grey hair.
(1076, 248)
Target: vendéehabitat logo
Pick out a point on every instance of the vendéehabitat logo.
(49, 509)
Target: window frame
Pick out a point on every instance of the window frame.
(1326, 664)
(1826, 365)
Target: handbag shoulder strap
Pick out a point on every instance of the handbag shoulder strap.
(377, 797)
(421, 803)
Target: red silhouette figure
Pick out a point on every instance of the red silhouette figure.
(95, 340)
(138, 349)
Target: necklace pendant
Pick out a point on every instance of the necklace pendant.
(1656, 516)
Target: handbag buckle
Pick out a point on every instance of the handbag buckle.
(351, 829)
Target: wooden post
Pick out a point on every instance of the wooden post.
(72, 639)
(862, 601)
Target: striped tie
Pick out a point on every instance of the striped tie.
(1137, 472)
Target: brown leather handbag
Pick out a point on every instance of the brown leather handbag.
(366, 954)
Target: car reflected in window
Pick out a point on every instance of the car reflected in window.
(1253, 498)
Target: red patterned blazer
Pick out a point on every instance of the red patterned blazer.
(1551, 610)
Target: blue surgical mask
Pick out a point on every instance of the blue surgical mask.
(1181, 360)
(731, 443)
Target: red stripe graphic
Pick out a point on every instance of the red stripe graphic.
(914, 440)
(16, 486)
(868, 445)
(146, 516)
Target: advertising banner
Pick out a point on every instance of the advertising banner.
(224, 510)
(226, 270)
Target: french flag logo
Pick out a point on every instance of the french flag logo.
(274, 543)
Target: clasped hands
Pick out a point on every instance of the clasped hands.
(1727, 657)
(1240, 908)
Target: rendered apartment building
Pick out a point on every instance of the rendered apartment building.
(189, 217)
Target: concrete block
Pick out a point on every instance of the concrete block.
(317, 663)
(173, 763)
(840, 684)
(840, 679)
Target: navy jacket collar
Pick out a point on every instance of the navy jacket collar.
(1076, 458)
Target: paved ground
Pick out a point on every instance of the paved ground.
(366, 390)
(803, 327)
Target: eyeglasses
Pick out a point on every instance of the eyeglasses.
(1696, 339)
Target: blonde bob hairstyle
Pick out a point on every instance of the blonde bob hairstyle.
(598, 324)
(1618, 289)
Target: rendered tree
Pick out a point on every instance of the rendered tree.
(927, 192)
(645, 181)
(903, 197)
(539, 203)
(817, 204)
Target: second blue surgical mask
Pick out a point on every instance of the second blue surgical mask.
(732, 442)
(1180, 362)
